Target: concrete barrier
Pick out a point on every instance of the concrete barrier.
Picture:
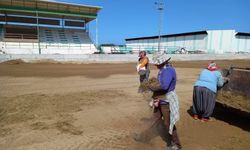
(116, 58)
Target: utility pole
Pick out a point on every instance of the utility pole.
(160, 8)
(96, 33)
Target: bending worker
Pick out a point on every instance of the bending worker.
(204, 92)
(166, 105)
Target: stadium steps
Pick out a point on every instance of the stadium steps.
(52, 41)
(66, 41)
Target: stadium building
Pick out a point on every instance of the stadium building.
(211, 41)
(45, 27)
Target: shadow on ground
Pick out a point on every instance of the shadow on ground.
(229, 115)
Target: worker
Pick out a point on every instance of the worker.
(143, 66)
(204, 92)
(166, 105)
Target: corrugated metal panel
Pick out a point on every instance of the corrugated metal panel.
(179, 41)
(214, 41)
(189, 42)
(241, 45)
(248, 44)
(227, 39)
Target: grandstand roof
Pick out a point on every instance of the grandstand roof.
(50, 8)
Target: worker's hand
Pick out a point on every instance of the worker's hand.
(138, 67)
(156, 102)
(226, 80)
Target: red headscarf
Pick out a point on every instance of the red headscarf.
(212, 66)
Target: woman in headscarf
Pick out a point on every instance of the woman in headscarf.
(143, 66)
(166, 105)
(204, 92)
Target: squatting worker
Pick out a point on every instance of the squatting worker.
(204, 92)
(143, 66)
(166, 111)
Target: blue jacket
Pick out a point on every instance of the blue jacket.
(210, 80)
(167, 78)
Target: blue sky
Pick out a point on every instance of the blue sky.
(121, 19)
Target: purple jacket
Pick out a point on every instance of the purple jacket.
(167, 78)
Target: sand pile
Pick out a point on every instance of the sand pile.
(41, 61)
(144, 86)
(234, 99)
(153, 83)
(14, 62)
(46, 61)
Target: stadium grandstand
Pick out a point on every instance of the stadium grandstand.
(45, 27)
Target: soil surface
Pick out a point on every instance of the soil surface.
(55, 106)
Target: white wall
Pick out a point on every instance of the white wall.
(215, 41)
(186, 42)
(226, 41)
(200, 43)
(242, 43)
(118, 58)
(221, 41)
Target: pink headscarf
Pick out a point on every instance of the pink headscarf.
(212, 66)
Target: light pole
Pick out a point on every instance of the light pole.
(160, 8)
(96, 33)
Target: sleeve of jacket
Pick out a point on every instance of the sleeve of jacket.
(163, 83)
(145, 61)
(165, 79)
(220, 80)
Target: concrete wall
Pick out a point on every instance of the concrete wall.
(118, 58)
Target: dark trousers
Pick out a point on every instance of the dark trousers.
(145, 76)
(159, 126)
(203, 101)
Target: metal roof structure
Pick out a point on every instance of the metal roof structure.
(168, 35)
(242, 34)
(49, 9)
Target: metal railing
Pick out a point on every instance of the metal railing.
(165, 49)
(20, 36)
(34, 45)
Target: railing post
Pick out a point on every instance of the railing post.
(38, 32)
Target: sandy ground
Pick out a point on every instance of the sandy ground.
(97, 107)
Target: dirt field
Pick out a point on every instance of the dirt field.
(57, 106)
